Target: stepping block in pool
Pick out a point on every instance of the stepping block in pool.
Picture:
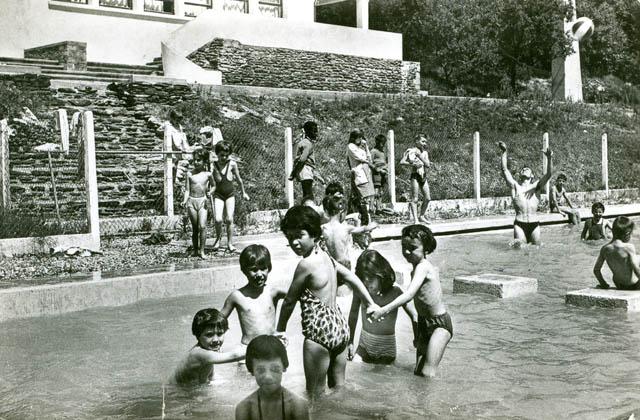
(499, 285)
(605, 298)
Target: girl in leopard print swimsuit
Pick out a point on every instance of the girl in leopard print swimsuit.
(315, 284)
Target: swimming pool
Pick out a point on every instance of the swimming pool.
(527, 357)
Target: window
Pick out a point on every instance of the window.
(241, 6)
(193, 8)
(271, 7)
(158, 6)
(120, 4)
(75, 1)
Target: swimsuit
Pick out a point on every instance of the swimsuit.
(323, 324)
(420, 178)
(196, 203)
(527, 227)
(224, 188)
(380, 349)
(260, 406)
(595, 231)
(426, 328)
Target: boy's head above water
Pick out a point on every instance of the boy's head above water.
(302, 227)
(597, 210)
(417, 242)
(255, 263)
(266, 360)
(209, 326)
(375, 272)
(622, 228)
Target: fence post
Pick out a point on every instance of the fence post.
(288, 166)
(5, 190)
(476, 165)
(168, 173)
(605, 163)
(91, 177)
(391, 166)
(545, 162)
(63, 125)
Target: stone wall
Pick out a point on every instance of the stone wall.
(287, 68)
(72, 55)
(129, 184)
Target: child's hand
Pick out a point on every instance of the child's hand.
(246, 196)
(282, 336)
(375, 313)
(502, 146)
(548, 153)
(350, 352)
(371, 226)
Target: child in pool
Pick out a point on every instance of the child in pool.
(209, 327)
(337, 234)
(315, 283)
(434, 329)
(596, 227)
(256, 301)
(225, 171)
(621, 258)
(199, 187)
(266, 361)
(557, 205)
(377, 340)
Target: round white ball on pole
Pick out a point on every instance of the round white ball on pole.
(582, 28)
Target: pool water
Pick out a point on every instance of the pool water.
(525, 357)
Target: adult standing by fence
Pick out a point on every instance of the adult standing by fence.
(359, 159)
(304, 163)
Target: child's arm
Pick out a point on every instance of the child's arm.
(187, 189)
(585, 229)
(354, 230)
(229, 304)
(506, 174)
(425, 160)
(421, 274)
(597, 270)
(547, 176)
(243, 409)
(356, 284)
(354, 313)
(211, 357)
(236, 172)
(293, 294)
(564, 194)
(212, 189)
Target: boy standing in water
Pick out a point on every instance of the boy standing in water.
(199, 187)
(434, 329)
(256, 301)
(526, 195)
(596, 227)
(266, 361)
(621, 258)
(209, 327)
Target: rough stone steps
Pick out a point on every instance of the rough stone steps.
(87, 77)
(148, 68)
(29, 61)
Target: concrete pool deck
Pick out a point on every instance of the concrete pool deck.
(213, 276)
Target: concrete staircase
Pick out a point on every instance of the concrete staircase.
(98, 72)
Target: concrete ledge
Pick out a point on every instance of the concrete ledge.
(498, 285)
(151, 79)
(19, 246)
(17, 69)
(605, 298)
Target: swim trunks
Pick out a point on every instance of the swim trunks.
(635, 286)
(224, 187)
(528, 228)
(196, 203)
(595, 231)
(422, 179)
(424, 331)
(323, 324)
(379, 349)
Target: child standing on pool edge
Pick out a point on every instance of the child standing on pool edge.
(199, 186)
(266, 361)
(434, 329)
(377, 339)
(418, 158)
(315, 284)
(225, 171)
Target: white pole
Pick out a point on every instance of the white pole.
(545, 162)
(63, 124)
(168, 173)
(391, 164)
(91, 177)
(476, 165)
(605, 163)
(288, 165)
(5, 190)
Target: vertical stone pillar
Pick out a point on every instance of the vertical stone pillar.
(545, 161)
(476, 166)
(168, 172)
(391, 166)
(137, 6)
(91, 177)
(566, 75)
(178, 8)
(254, 7)
(5, 190)
(288, 165)
(362, 14)
(605, 163)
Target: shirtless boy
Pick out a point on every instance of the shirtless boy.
(560, 203)
(209, 327)
(256, 301)
(337, 234)
(434, 329)
(526, 195)
(596, 227)
(621, 258)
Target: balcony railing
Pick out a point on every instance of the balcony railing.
(270, 8)
(241, 6)
(120, 4)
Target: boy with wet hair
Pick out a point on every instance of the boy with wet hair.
(256, 301)
(434, 329)
(558, 198)
(596, 227)
(266, 361)
(209, 327)
(621, 258)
